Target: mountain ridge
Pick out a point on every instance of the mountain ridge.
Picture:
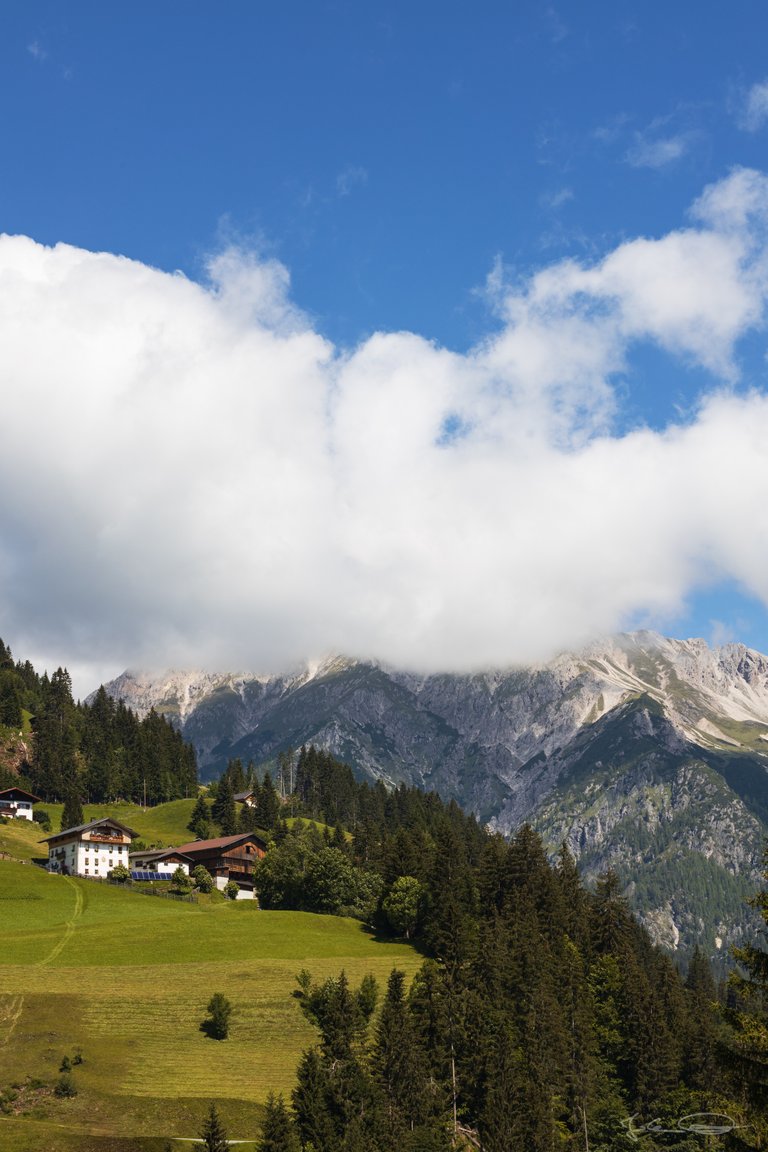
(643, 753)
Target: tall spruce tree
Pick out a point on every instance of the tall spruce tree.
(200, 820)
(268, 804)
(223, 810)
(72, 814)
(213, 1133)
(701, 1037)
(401, 1071)
(278, 1131)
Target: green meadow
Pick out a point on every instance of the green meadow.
(124, 979)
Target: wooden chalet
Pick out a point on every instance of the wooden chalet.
(228, 858)
(17, 803)
(248, 797)
(92, 849)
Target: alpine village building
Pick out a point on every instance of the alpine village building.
(17, 803)
(228, 858)
(92, 849)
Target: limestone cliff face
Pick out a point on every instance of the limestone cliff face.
(642, 753)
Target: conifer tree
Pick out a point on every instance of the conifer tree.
(6, 658)
(278, 1131)
(701, 1032)
(200, 820)
(223, 810)
(611, 928)
(72, 814)
(448, 928)
(399, 1065)
(268, 804)
(247, 820)
(219, 1012)
(574, 898)
(236, 774)
(310, 1103)
(213, 1132)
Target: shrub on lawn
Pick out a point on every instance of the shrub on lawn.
(219, 1012)
(65, 1086)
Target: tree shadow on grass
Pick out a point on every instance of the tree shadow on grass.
(209, 1029)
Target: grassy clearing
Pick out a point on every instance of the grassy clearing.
(126, 979)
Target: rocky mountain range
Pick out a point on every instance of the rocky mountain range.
(645, 754)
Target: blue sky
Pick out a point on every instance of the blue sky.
(411, 167)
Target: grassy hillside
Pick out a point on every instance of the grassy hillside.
(125, 979)
(166, 822)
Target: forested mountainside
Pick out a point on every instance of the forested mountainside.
(645, 754)
(543, 1017)
(85, 753)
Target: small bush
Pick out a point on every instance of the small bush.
(181, 881)
(66, 1065)
(231, 889)
(219, 1012)
(42, 818)
(65, 1086)
(203, 879)
(120, 873)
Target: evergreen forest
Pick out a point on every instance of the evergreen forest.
(543, 1017)
(87, 753)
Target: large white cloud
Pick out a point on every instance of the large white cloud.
(190, 474)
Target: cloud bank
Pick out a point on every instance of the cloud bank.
(192, 475)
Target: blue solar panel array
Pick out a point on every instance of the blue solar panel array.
(151, 876)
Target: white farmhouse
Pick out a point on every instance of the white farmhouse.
(17, 803)
(89, 849)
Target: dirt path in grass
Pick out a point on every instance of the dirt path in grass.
(10, 1010)
(11, 1007)
(69, 927)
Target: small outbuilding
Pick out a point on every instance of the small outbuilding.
(160, 860)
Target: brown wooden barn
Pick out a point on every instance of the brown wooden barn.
(227, 858)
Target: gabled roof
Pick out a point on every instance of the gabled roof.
(242, 796)
(89, 827)
(160, 854)
(220, 842)
(15, 793)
